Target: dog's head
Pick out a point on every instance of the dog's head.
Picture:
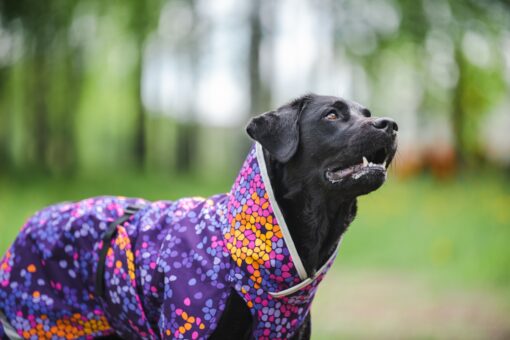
(330, 142)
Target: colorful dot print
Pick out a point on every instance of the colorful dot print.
(263, 262)
(169, 269)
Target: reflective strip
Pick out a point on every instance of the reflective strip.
(279, 216)
(307, 281)
(8, 329)
(292, 289)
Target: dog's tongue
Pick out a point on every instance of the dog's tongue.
(355, 171)
(342, 173)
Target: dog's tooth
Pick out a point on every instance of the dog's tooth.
(365, 161)
(384, 164)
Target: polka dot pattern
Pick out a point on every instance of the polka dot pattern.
(264, 264)
(46, 277)
(169, 269)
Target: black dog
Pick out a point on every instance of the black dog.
(234, 266)
(322, 153)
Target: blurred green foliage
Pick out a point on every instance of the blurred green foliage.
(73, 74)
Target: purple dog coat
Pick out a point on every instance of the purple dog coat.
(169, 269)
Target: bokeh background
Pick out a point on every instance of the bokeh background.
(150, 99)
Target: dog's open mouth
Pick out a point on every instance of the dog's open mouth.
(373, 162)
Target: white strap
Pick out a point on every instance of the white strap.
(307, 281)
(8, 329)
(279, 216)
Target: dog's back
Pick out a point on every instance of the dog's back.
(166, 251)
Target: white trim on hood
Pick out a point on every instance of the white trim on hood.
(278, 213)
(309, 280)
(8, 329)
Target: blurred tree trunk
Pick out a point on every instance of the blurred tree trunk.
(458, 112)
(260, 96)
(49, 129)
(139, 138)
(254, 61)
(187, 144)
(4, 122)
(73, 81)
(140, 29)
(186, 147)
(39, 119)
(259, 91)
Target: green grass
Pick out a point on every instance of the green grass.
(454, 232)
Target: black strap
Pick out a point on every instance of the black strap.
(107, 239)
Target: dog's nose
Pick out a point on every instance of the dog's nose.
(387, 124)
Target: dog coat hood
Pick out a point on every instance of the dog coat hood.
(169, 269)
(268, 271)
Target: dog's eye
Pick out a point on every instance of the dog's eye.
(331, 115)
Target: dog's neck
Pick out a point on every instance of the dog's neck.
(316, 218)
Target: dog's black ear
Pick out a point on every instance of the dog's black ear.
(278, 131)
